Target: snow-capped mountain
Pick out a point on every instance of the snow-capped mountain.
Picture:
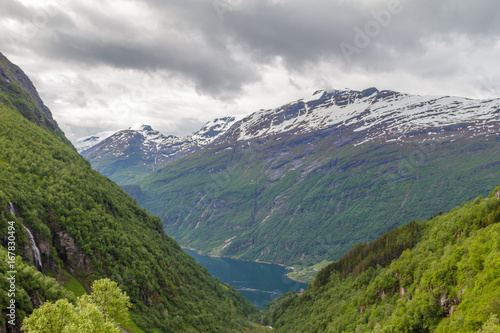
(127, 154)
(311, 179)
(90, 141)
(360, 116)
(385, 115)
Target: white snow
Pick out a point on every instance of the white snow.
(91, 140)
(399, 114)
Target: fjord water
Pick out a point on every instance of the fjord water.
(257, 282)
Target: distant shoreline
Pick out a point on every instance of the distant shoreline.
(289, 268)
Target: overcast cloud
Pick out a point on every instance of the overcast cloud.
(175, 64)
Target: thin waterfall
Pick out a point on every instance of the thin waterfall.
(11, 209)
(37, 259)
(36, 252)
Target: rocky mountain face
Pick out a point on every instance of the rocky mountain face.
(128, 155)
(309, 180)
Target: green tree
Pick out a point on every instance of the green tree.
(491, 326)
(90, 319)
(50, 317)
(111, 301)
(99, 312)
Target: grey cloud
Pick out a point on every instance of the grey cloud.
(190, 39)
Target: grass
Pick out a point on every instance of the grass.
(74, 285)
(307, 274)
(131, 327)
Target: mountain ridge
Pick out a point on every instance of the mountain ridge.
(307, 181)
(140, 149)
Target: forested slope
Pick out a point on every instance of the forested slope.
(85, 225)
(446, 278)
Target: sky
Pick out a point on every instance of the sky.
(176, 64)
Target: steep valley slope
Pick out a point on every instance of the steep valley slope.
(440, 275)
(86, 227)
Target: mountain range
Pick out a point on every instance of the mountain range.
(294, 184)
(309, 180)
(128, 155)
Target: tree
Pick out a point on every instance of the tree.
(112, 302)
(99, 312)
(491, 326)
(50, 317)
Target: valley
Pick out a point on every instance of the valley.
(309, 180)
(349, 187)
(231, 166)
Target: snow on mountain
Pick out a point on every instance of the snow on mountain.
(206, 135)
(360, 116)
(89, 141)
(143, 149)
(213, 129)
(380, 114)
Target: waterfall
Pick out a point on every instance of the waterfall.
(11, 209)
(36, 252)
(37, 259)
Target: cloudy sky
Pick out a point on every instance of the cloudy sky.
(175, 64)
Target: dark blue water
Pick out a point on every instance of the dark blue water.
(259, 283)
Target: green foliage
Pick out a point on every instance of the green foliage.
(379, 252)
(492, 325)
(292, 202)
(30, 285)
(51, 318)
(99, 312)
(445, 281)
(54, 190)
(308, 273)
(111, 301)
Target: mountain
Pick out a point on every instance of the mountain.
(78, 226)
(87, 142)
(17, 91)
(439, 275)
(126, 156)
(309, 180)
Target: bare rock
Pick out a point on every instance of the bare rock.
(71, 253)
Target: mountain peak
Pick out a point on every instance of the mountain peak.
(20, 93)
(141, 127)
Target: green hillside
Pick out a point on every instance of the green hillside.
(86, 225)
(302, 200)
(445, 278)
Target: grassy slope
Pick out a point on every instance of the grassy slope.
(54, 189)
(350, 195)
(448, 282)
